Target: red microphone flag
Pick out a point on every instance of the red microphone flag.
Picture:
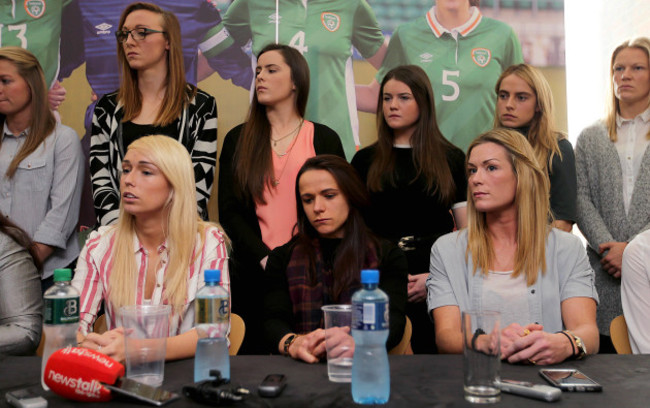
(77, 373)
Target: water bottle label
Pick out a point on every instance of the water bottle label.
(212, 310)
(61, 311)
(370, 316)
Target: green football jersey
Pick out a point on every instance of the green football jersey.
(34, 25)
(463, 70)
(324, 31)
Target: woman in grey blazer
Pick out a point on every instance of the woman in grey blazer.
(613, 172)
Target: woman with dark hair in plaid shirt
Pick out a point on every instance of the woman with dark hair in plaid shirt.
(321, 265)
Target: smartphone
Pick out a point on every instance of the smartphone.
(530, 390)
(142, 392)
(272, 385)
(569, 379)
(25, 398)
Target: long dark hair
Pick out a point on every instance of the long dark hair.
(17, 234)
(357, 243)
(252, 162)
(429, 145)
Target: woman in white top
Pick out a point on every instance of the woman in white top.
(510, 260)
(613, 172)
(155, 254)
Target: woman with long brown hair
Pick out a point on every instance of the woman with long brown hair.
(41, 163)
(153, 98)
(322, 264)
(415, 178)
(257, 172)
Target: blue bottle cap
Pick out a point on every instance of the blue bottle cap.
(369, 276)
(212, 275)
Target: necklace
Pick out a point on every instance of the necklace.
(275, 141)
(276, 180)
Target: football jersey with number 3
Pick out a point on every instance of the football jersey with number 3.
(36, 26)
(324, 31)
(463, 70)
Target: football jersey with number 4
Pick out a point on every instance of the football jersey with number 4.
(324, 32)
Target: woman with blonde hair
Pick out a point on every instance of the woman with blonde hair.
(510, 260)
(41, 163)
(525, 103)
(613, 167)
(173, 247)
(153, 98)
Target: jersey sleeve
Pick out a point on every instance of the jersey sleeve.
(513, 54)
(394, 55)
(223, 54)
(367, 36)
(237, 21)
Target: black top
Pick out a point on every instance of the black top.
(563, 182)
(278, 309)
(238, 217)
(133, 131)
(408, 208)
(564, 186)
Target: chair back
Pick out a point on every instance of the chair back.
(618, 332)
(237, 331)
(404, 346)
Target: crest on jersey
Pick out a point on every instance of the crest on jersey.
(274, 18)
(426, 58)
(481, 56)
(35, 8)
(330, 21)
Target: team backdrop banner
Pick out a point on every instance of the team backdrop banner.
(348, 44)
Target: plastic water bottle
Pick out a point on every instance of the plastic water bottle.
(212, 321)
(61, 317)
(370, 371)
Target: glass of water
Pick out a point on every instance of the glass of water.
(338, 342)
(482, 356)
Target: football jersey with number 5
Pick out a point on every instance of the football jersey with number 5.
(463, 68)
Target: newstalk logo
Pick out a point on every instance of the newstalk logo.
(90, 389)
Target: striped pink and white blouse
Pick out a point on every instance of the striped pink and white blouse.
(95, 265)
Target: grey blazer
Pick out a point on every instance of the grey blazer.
(21, 308)
(601, 213)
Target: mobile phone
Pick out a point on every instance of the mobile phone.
(569, 379)
(530, 390)
(142, 392)
(272, 385)
(25, 398)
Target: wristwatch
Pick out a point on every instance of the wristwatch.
(287, 343)
(580, 345)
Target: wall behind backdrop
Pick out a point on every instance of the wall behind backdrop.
(539, 25)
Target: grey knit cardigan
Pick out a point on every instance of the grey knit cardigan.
(601, 213)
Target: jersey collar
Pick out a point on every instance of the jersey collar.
(468, 27)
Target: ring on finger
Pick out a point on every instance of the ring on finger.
(532, 361)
